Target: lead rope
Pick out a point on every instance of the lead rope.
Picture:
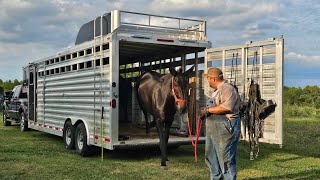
(195, 141)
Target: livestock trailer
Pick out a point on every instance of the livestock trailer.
(77, 93)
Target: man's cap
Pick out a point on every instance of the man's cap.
(215, 72)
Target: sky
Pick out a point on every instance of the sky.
(34, 29)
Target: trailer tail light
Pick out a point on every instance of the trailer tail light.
(113, 103)
(165, 40)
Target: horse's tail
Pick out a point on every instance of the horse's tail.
(136, 88)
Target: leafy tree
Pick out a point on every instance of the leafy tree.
(308, 96)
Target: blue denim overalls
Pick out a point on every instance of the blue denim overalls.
(222, 136)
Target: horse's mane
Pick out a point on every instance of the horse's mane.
(162, 78)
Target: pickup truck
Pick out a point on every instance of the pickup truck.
(15, 107)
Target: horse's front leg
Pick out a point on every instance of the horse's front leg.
(162, 142)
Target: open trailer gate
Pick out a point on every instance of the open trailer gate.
(261, 61)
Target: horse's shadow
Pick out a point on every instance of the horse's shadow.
(143, 153)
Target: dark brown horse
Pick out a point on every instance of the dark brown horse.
(162, 96)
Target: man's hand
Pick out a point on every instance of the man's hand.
(203, 113)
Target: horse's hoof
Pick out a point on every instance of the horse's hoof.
(164, 167)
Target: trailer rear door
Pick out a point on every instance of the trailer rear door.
(262, 61)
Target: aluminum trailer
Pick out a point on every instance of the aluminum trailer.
(75, 93)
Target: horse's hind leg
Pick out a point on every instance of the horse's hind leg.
(152, 124)
(147, 122)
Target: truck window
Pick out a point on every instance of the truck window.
(23, 95)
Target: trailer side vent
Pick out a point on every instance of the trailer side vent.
(89, 64)
(74, 55)
(105, 47)
(105, 61)
(97, 48)
(97, 62)
(68, 68)
(88, 51)
(63, 69)
(81, 66)
(74, 67)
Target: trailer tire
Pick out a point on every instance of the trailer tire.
(23, 123)
(4, 118)
(68, 135)
(81, 144)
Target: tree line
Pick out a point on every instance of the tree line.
(307, 96)
(8, 85)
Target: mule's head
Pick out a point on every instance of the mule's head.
(179, 86)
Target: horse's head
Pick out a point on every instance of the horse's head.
(179, 86)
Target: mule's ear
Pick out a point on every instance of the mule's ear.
(180, 70)
(188, 72)
(173, 72)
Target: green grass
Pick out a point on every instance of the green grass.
(37, 155)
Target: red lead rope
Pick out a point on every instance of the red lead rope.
(199, 124)
(195, 142)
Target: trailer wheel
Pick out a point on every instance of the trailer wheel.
(68, 135)
(4, 118)
(81, 145)
(23, 123)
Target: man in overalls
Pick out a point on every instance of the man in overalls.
(222, 127)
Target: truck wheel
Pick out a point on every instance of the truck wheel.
(68, 135)
(23, 123)
(81, 145)
(5, 122)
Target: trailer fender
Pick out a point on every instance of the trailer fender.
(75, 124)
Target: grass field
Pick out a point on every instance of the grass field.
(37, 155)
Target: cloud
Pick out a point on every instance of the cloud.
(252, 31)
(304, 59)
(219, 14)
(14, 56)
